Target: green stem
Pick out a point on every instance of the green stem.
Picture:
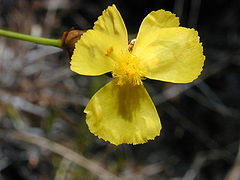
(34, 39)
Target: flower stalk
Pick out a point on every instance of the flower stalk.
(34, 39)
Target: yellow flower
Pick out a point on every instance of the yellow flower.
(122, 111)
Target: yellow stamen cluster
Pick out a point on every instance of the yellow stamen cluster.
(128, 72)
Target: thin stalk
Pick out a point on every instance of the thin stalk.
(34, 39)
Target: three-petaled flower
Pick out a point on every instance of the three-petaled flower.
(122, 111)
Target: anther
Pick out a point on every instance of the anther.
(108, 51)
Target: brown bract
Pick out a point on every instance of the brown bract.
(69, 38)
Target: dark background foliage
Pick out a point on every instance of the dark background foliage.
(40, 95)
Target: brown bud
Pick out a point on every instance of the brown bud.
(69, 38)
(131, 44)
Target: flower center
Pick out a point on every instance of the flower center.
(128, 72)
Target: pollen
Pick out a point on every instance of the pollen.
(128, 72)
(108, 51)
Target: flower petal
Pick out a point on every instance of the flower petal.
(152, 23)
(172, 54)
(95, 52)
(123, 114)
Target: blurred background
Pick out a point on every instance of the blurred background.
(40, 96)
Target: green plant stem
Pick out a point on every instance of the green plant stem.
(34, 39)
